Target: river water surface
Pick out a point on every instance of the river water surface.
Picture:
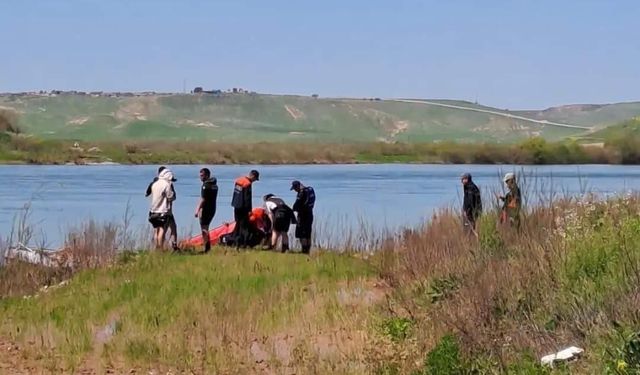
(349, 197)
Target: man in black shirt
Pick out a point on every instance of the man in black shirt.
(472, 203)
(206, 208)
(305, 201)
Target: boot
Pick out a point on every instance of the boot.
(207, 247)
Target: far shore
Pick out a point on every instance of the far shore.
(20, 150)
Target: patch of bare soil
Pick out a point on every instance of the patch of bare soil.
(137, 109)
(78, 120)
(294, 112)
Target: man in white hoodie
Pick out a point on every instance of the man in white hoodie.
(160, 213)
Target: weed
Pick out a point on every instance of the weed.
(397, 329)
(444, 358)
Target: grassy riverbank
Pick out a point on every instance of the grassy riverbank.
(430, 301)
(28, 150)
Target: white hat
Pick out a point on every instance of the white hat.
(509, 176)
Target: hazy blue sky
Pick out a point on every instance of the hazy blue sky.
(509, 54)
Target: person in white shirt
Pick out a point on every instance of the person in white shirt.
(160, 210)
(281, 217)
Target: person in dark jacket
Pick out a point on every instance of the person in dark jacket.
(242, 205)
(206, 208)
(304, 204)
(472, 203)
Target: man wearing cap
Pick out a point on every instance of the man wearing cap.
(512, 202)
(242, 205)
(161, 208)
(304, 204)
(472, 203)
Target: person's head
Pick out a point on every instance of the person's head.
(465, 178)
(205, 174)
(254, 175)
(162, 168)
(296, 186)
(267, 197)
(510, 179)
(167, 175)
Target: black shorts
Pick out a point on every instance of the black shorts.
(304, 226)
(159, 220)
(206, 217)
(282, 224)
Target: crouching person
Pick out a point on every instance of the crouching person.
(281, 217)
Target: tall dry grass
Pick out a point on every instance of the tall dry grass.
(569, 276)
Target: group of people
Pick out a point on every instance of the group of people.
(472, 203)
(267, 225)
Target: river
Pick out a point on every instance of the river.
(350, 198)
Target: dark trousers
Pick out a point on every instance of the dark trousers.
(242, 229)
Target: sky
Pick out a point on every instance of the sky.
(507, 54)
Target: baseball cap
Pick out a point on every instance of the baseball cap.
(295, 184)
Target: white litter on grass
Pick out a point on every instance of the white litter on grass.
(566, 354)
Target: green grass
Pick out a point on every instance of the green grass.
(156, 302)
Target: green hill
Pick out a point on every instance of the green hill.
(253, 117)
(624, 129)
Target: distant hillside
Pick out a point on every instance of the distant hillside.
(628, 128)
(252, 118)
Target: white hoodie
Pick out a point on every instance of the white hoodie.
(162, 194)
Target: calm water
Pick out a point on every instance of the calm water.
(382, 196)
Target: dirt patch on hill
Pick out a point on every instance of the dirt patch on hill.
(137, 109)
(294, 112)
(78, 120)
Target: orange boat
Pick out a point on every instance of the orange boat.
(214, 235)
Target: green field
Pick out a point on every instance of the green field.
(243, 118)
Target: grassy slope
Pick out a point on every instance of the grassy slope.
(588, 115)
(249, 118)
(629, 128)
(197, 313)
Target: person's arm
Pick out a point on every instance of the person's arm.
(478, 202)
(267, 209)
(170, 193)
(199, 207)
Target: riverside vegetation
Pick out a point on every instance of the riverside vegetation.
(16, 148)
(428, 301)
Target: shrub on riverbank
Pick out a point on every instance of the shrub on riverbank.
(24, 149)
(569, 277)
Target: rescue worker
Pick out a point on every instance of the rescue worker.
(242, 205)
(304, 204)
(281, 217)
(471, 204)
(260, 227)
(512, 202)
(206, 208)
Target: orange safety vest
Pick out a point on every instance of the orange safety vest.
(256, 217)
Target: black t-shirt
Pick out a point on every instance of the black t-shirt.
(209, 193)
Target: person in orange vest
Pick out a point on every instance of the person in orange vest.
(260, 225)
(241, 202)
(512, 202)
